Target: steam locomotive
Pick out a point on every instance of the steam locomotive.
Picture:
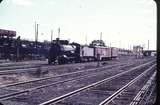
(61, 52)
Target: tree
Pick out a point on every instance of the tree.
(97, 43)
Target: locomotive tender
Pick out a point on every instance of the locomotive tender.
(61, 52)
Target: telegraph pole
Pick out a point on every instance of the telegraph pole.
(37, 38)
(101, 36)
(51, 35)
(98, 55)
(119, 44)
(111, 49)
(86, 39)
(35, 31)
(17, 46)
(148, 44)
(101, 39)
(59, 32)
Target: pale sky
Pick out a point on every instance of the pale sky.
(123, 23)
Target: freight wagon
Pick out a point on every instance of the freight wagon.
(87, 53)
(114, 52)
(102, 53)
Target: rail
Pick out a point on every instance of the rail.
(55, 100)
(141, 93)
(7, 96)
(34, 67)
(114, 95)
(13, 84)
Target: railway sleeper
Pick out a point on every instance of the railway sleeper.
(113, 96)
(114, 102)
(124, 98)
(73, 103)
(23, 98)
(20, 92)
(13, 90)
(149, 95)
(58, 99)
(152, 97)
(146, 95)
(102, 92)
(139, 97)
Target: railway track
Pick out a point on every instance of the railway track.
(55, 80)
(149, 87)
(43, 66)
(32, 67)
(93, 101)
(22, 63)
(10, 96)
(128, 90)
(66, 75)
(45, 71)
(26, 68)
(85, 71)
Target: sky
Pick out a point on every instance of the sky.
(123, 23)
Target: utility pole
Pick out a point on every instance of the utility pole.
(119, 44)
(148, 44)
(130, 47)
(36, 36)
(101, 36)
(98, 55)
(101, 39)
(37, 39)
(86, 39)
(110, 49)
(51, 35)
(18, 47)
(35, 31)
(59, 32)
